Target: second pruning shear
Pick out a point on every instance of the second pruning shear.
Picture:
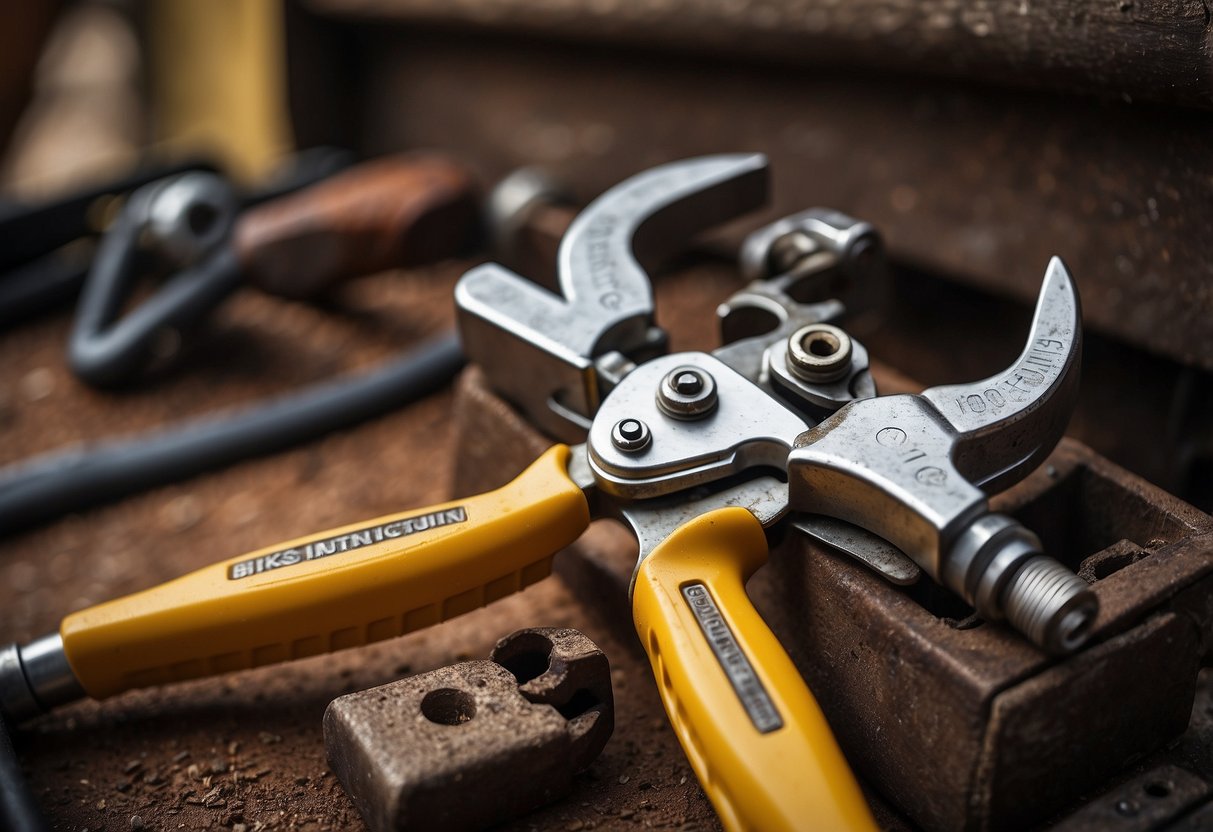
(698, 453)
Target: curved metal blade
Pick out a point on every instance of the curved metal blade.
(646, 219)
(539, 348)
(1008, 423)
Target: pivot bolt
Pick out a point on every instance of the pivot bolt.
(631, 435)
(687, 393)
(687, 384)
(819, 353)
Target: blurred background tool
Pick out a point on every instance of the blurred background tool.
(390, 213)
(48, 486)
(46, 248)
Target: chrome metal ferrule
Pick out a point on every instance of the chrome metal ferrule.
(996, 565)
(36, 678)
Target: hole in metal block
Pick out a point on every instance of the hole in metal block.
(822, 345)
(1157, 789)
(448, 706)
(1111, 560)
(527, 655)
(582, 702)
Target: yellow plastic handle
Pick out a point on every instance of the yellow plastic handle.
(754, 734)
(337, 589)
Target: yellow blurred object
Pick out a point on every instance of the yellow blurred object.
(217, 80)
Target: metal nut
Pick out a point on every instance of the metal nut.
(819, 353)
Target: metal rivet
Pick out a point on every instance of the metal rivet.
(631, 435)
(687, 393)
(688, 384)
(819, 353)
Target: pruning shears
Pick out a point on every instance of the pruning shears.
(699, 453)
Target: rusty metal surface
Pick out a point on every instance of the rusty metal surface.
(477, 743)
(1008, 736)
(561, 667)
(1148, 802)
(961, 724)
(1150, 49)
(976, 183)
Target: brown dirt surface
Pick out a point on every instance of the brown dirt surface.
(246, 751)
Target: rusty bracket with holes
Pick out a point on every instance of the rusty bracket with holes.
(477, 743)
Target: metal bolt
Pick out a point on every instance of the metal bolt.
(819, 353)
(688, 384)
(631, 435)
(186, 217)
(687, 393)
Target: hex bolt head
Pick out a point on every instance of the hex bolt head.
(631, 435)
(819, 353)
(687, 393)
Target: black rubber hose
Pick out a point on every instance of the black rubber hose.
(108, 347)
(30, 231)
(49, 282)
(19, 811)
(60, 482)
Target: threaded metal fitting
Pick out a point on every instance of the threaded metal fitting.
(1050, 605)
(997, 566)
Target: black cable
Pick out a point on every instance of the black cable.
(19, 811)
(30, 231)
(51, 281)
(107, 347)
(45, 249)
(60, 482)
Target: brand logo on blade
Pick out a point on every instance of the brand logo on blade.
(347, 542)
(732, 658)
